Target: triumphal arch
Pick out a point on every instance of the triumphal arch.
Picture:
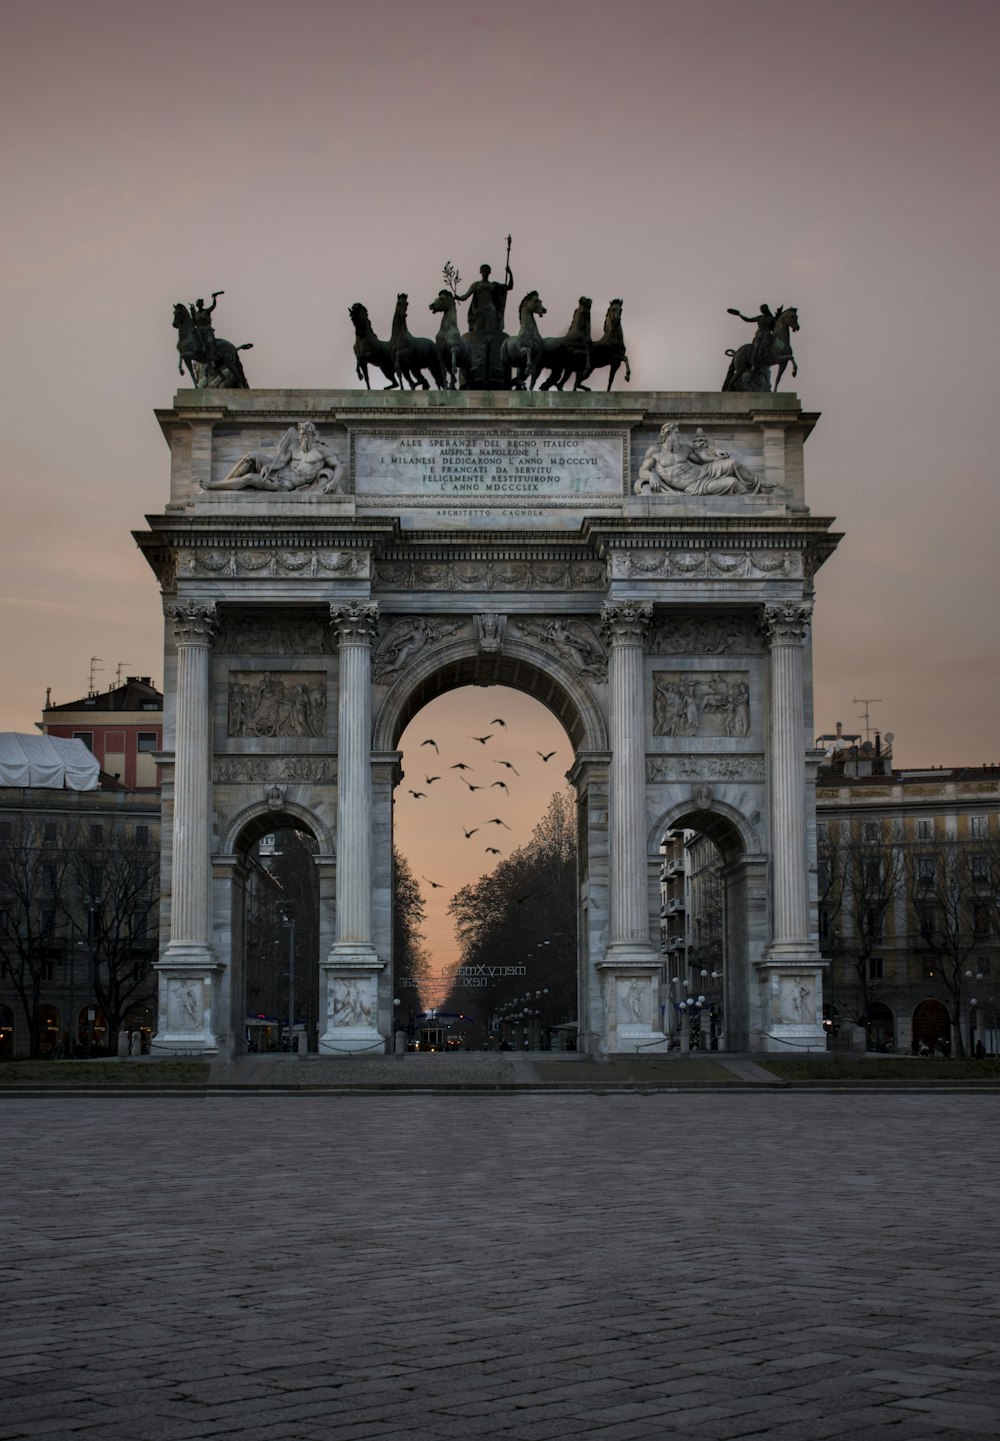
(642, 562)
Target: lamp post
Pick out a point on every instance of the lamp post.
(288, 921)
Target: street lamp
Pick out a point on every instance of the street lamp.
(288, 921)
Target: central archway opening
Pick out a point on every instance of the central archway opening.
(486, 865)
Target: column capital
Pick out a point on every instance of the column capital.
(355, 622)
(194, 621)
(786, 622)
(626, 622)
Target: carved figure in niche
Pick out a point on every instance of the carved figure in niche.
(750, 365)
(350, 1003)
(302, 459)
(270, 705)
(573, 641)
(218, 369)
(633, 1002)
(795, 1004)
(184, 1004)
(689, 705)
(694, 468)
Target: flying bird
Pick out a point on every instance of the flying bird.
(469, 784)
(509, 766)
(492, 851)
(418, 795)
(431, 743)
(496, 821)
(482, 739)
(498, 721)
(470, 834)
(436, 884)
(461, 766)
(429, 780)
(545, 757)
(502, 784)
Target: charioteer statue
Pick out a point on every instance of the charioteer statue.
(485, 336)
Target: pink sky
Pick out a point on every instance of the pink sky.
(687, 157)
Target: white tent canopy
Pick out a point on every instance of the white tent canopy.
(46, 761)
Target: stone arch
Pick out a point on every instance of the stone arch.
(715, 819)
(260, 818)
(519, 666)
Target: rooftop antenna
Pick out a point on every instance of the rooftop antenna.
(118, 670)
(95, 666)
(867, 701)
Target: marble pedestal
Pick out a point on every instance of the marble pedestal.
(792, 1011)
(186, 1008)
(631, 990)
(349, 979)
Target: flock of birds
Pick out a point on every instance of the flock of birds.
(461, 767)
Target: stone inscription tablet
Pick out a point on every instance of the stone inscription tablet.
(490, 467)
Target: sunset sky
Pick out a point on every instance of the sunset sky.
(685, 156)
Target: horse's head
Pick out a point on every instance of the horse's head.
(791, 316)
(358, 312)
(402, 301)
(614, 312)
(530, 305)
(181, 315)
(442, 302)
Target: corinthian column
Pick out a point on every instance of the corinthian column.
(185, 1020)
(786, 625)
(791, 972)
(351, 968)
(190, 915)
(630, 965)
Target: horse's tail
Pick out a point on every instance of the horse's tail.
(247, 346)
(730, 353)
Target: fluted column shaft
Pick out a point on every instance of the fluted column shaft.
(355, 625)
(786, 625)
(190, 909)
(625, 626)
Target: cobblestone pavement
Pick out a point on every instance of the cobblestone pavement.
(524, 1266)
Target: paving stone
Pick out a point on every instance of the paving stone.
(532, 1267)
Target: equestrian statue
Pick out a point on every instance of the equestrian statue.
(750, 365)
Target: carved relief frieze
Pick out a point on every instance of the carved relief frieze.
(268, 704)
(273, 633)
(185, 1003)
(716, 635)
(262, 770)
(350, 1001)
(707, 564)
(701, 703)
(574, 641)
(405, 639)
(271, 562)
(747, 768)
(490, 575)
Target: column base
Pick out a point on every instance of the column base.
(630, 976)
(186, 1002)
(349, 977)
(791, 999)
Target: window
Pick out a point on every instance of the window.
(141, 837)
(982, 964)
(145, 741)
(871, 831)
(822, 832)
(875, 968)
(50, 831)
(926, 869)
(923, 830)
(981, 922)
(873, 924)
(979, 827)
(86, 736)
(823, 877)
(980, 868)
(824, 924)
(926, 921)
(96, 834)
(930, 968)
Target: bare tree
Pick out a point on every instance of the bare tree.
(862, 872)
(108, 899)
(33, 862)
(953, 888)
(410, 956)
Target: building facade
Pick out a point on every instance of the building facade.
(122, 727)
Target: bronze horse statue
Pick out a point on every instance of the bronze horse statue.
(609, 350)
(369, 350)
(454, 353)
(566, 355)
(226, 369)
(519, 351)
(411, 354)
(749, 373)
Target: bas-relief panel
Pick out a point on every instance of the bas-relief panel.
(185, 1003)
(714, 635)
(405, 639)
(351, 1001)
(701, 703)
(281, 633)
(269, 704)
(490, 575)
(745, 768)
(239, 770)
